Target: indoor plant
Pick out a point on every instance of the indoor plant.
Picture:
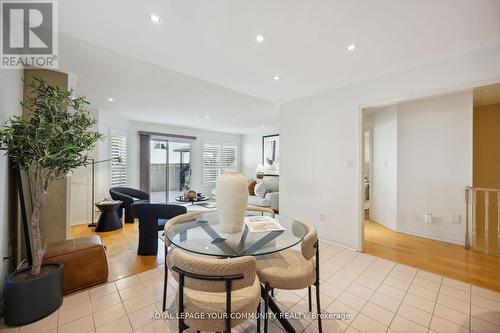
(52, 138)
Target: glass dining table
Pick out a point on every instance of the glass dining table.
(202, 234)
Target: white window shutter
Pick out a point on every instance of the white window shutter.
(217, 158)
(118, 151)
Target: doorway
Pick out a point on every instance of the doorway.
(170, 169)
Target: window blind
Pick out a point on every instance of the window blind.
(217, 158)
(118, 160)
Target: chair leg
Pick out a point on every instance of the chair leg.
(165, 281)
(258, 317)
(309, 297)
(318, 308)
(272, 292)
(266, 306)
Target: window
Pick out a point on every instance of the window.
(217, 158)
(118, 160)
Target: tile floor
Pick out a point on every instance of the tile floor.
(378, 296)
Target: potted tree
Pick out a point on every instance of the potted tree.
(47, 144)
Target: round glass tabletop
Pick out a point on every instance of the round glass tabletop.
(203, 235)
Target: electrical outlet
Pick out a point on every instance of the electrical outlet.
(428, 218)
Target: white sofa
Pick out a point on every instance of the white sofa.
(271, 198)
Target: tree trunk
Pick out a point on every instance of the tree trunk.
(36, 237)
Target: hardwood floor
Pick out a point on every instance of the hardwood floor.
(437, 257)
(442, 258)
(121, 249)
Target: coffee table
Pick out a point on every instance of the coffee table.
(192, 201)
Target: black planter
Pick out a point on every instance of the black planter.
(29, 300)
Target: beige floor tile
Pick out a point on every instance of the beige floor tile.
(403, 325)
(346, 312)
(412, 313)
(378, 313)
(118, 325)
(400, 275)
(406, 269)
(385, 301)
(82, 325)
(368, 282)
(384, 270)
(104, 302)
(419, 302)
(351, 329)
(374, 275)
(455, 293)
(287, 298)
(127, 282)
(325, 300)
(492, 295)
(392, 292)
(137, 303)
(142, 317)
(352, 300)
(42, 325)
(338, 282)
(131, 292)
(151, 275)
(485, 314)
(364, 323)
(423, 292)
(485, 303)
(75, 300)
(330, 325)
(396, 283)
(103, 290)
(347, 275)
(157, 326)
(456, 284)
(429, 276)
(67, 314)
(481, 326)
(454, 303)
(454, 316)
(360, 290)
(443, 326)
(112, 313)
(302, 307)
(330, 290)
(427, 284)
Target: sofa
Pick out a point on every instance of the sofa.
(265, 195)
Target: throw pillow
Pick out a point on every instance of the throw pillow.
(261, 189)
(251, 186)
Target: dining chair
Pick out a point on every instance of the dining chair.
(187, 217)
(292, 269)
(215, 294)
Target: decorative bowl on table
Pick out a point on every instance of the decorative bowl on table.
(191, 195)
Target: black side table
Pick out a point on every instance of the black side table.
(109, 220)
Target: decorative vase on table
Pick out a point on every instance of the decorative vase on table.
(232, 198)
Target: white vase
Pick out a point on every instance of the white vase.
(232, 198)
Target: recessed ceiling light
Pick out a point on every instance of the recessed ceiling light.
(110, 99)
(155, 18)
(352, 47)
(263, 126)
(260, 38)
(207, 117)
(276, 78)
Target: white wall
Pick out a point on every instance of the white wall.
(251, 155)
(11, 93)
(384, 166)
(434, 164)
(321, 139)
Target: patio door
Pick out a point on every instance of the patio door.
(170, 169)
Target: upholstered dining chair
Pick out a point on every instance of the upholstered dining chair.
(187, 217)
(215, 294)
(292, 269)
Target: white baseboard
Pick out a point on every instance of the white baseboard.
(441, 239)
(337, 243)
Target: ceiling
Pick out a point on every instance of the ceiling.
(215, 41)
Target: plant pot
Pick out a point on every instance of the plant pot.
(30, 299)
(232, 201)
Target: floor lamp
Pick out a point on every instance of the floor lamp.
(94, 162)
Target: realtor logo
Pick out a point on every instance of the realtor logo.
(29, 34)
